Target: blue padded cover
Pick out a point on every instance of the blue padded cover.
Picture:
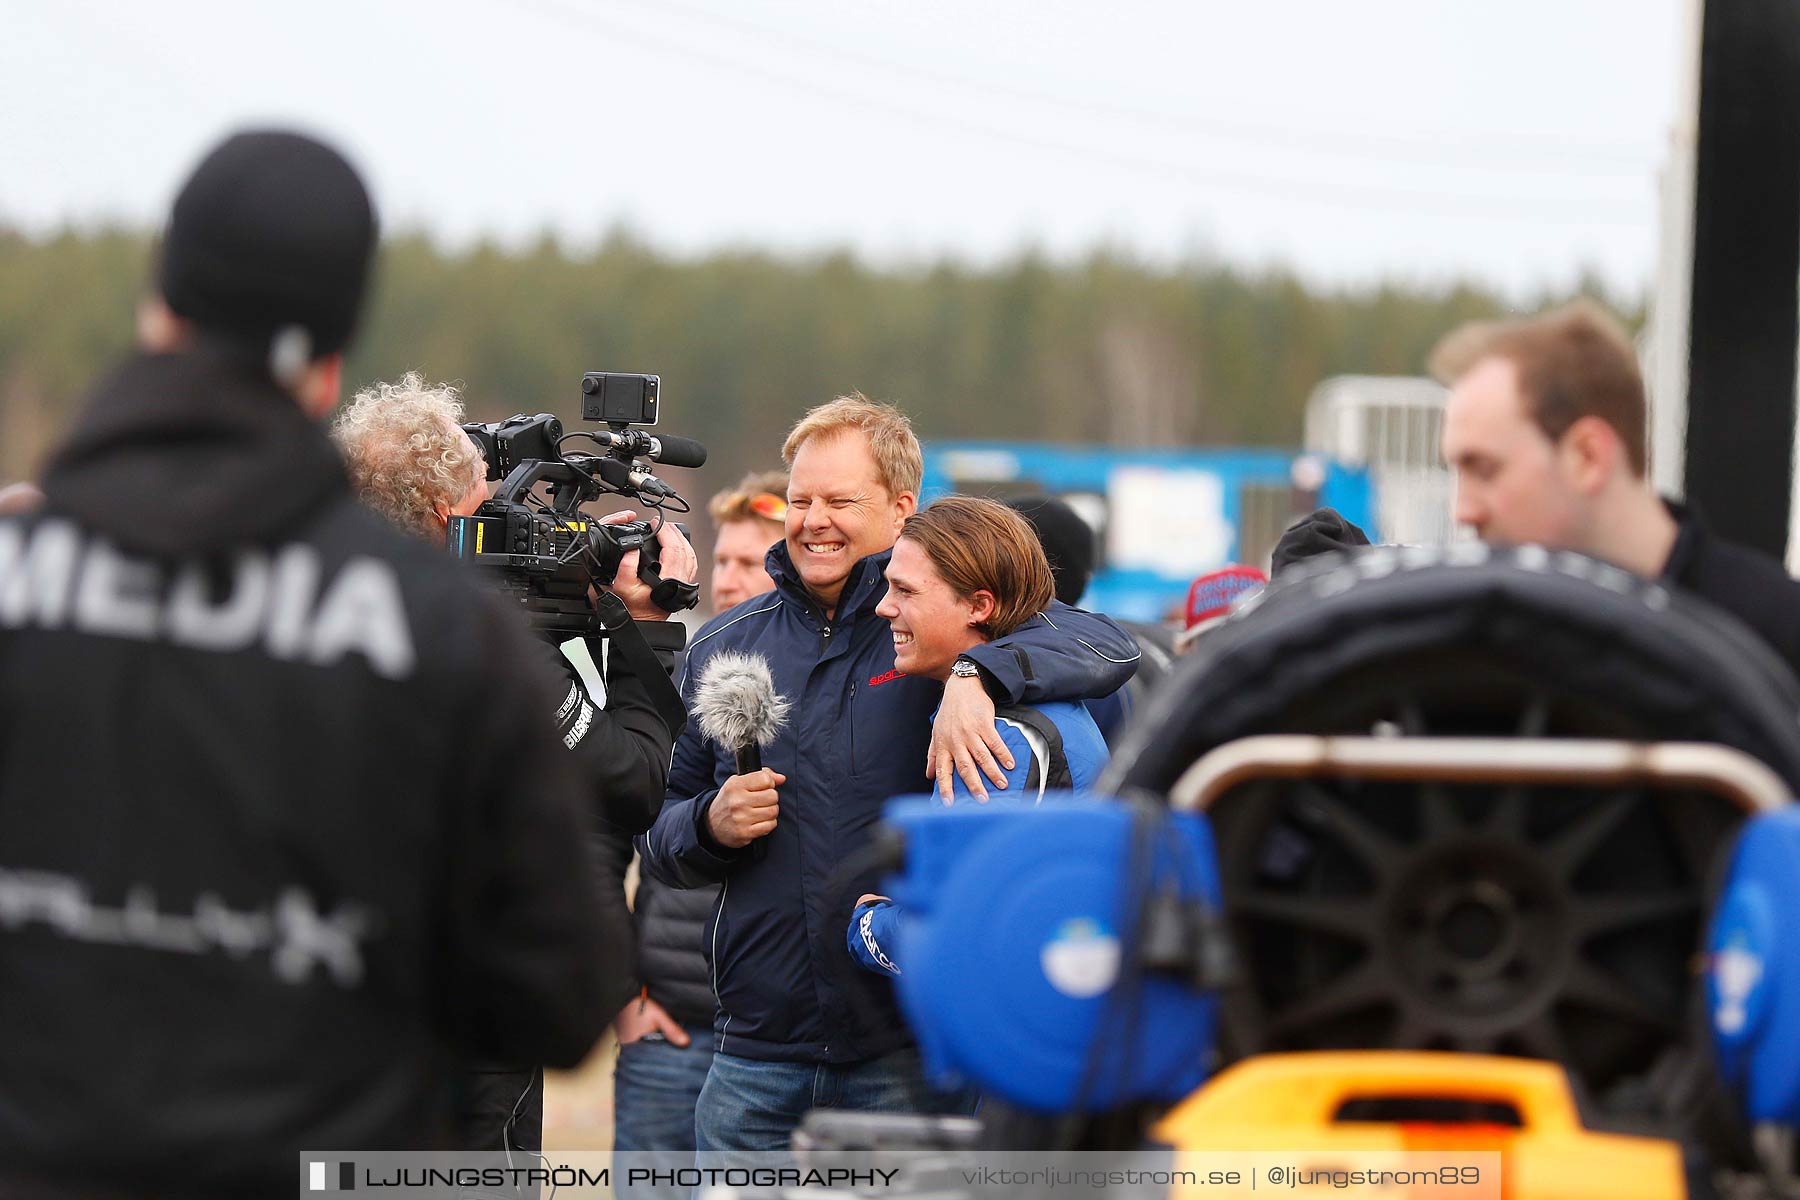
(1011, 942)
(1753, 969)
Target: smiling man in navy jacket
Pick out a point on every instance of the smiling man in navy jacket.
(798, 1026)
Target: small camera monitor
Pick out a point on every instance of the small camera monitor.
(619, 399)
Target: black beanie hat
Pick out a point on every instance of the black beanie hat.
(1067, 539)
(273, 230)
(1322, 531)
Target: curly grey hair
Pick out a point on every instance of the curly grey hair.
(406, 452)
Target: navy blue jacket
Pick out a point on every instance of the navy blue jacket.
(857, 735)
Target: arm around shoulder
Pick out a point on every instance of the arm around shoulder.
(1062, 653)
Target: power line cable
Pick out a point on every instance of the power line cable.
(1437, 150)
(1315, 191)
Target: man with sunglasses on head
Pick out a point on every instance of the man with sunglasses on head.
(749, 519)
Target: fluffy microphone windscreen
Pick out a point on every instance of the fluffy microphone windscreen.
(735, 701)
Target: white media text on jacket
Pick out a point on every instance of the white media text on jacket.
(62, 578)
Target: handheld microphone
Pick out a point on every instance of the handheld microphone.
(737, 706)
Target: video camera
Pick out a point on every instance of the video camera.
(548, 553)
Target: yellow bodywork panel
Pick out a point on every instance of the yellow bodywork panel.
(1291, 1102)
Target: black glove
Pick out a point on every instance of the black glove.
(1319, 532)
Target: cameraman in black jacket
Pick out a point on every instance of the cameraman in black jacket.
(411, 461)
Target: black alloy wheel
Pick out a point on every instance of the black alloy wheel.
(1550, 922)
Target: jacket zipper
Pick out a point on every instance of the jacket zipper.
(724, 890)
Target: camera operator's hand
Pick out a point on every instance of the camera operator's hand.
(678, 558)
(745, 808)
(678, 562)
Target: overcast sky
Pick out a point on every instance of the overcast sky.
(1407, 139)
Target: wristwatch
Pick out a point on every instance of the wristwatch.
(965, 668)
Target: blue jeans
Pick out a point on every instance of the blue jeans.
(749, 1104)
(656, 1085)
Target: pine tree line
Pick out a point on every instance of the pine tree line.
(1105, 350)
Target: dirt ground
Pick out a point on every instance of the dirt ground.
(578, 1112)
(578, 1104)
